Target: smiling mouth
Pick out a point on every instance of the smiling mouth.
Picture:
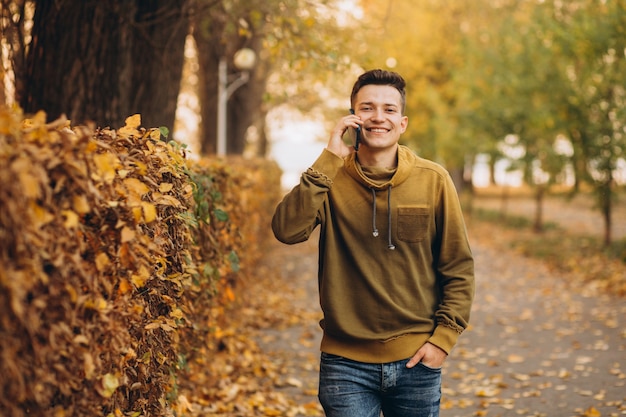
(377, 130)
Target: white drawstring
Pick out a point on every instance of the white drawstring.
(374, 229)
(390, 244)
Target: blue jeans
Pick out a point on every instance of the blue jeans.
(355, 389)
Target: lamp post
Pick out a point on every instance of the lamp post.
(244, 60)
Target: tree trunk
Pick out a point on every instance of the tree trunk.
(456, 173)
(245, 106)
(539, 200)
(158, 53)
(207, 29)
(13, 29)
(605, 198)
(504, 202)
(103, 61)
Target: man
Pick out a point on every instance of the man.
(396, 273)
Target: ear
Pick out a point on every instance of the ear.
(404, 123)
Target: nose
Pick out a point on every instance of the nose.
(379, 115)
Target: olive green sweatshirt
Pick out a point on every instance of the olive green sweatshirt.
(395, 266)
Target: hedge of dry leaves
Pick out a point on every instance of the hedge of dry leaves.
(115, 251)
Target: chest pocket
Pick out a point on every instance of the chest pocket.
(413, 223)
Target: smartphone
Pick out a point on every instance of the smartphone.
(357, 134)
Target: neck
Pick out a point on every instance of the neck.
(378, 158)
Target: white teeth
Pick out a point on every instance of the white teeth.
(378, 130)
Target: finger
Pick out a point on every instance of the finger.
(356, 121)
(345, 123)
(415, 360)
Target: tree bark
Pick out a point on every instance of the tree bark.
(103, 61)
(13, 29)
(207, 29)
(158, 52)
(605, 199)
(539, 200)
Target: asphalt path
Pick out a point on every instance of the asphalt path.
(538, 345)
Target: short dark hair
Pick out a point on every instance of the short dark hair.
(380, 77)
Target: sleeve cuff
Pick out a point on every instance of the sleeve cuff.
(327, 164)
(444, 338)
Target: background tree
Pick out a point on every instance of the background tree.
(557, 69)
(422, 40)
(102, 61)
(14, 36)
(591, 38)
(298, 44)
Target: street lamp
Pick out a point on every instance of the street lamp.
(244, 60)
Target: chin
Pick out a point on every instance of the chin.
(379, 144)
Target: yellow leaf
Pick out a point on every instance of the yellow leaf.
(71, 219)
(28, 182)
(59, 412)
(102, 261)
(80, 204)
(167, 328)
(39, 215)
(177, 313)
(81, 339)
(90, 368)
(136, 187)
(149, 211)
(183, 405)
(133, 121)
(109, 384)
(139, 279)
(124, 287)
(592, 412)
(38, 119)
(106, 165)
(160, 266)
(72, 292)
(487, 392)
(101, 304)
(155, 134)
(128, 234)
(294, 382)
(166, 187)
(513, 358)
(141, 168)
(166, 200)
(137, 214)
(230, 295)
(131, 129)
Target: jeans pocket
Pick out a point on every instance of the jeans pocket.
(429, 368)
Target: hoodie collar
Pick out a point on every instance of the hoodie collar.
(382, 179)
(378, 179)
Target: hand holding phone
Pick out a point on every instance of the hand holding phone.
(357, 134)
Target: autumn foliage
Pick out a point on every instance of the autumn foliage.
(116, 252)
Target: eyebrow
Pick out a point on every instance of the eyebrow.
(371, 103)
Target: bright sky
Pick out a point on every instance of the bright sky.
(295, 143)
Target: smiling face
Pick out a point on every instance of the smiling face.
(380, 109)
